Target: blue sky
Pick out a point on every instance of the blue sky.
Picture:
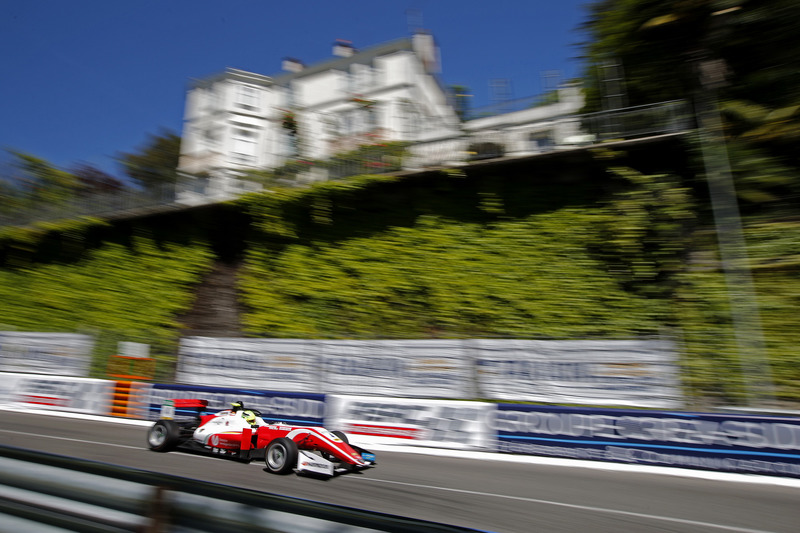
(86, 79)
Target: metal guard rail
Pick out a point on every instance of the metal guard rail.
(80, 495)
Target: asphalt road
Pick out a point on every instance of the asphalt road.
(498, 496)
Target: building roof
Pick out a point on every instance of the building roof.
(363, 57)
(233, 74)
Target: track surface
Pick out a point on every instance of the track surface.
(498, 496)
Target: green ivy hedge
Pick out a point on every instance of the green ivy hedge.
(610, 253)
(115, 292)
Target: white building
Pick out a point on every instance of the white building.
(237, 121)
(532, 129)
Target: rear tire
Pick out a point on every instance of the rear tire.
(281, 456)
(164, 436)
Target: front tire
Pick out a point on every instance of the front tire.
(281, 456)
(164, 436)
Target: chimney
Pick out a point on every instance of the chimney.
(425, 47)
(291, 64)
(342, 48)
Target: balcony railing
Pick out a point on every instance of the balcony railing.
(639, 121)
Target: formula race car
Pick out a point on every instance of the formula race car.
(242, 434)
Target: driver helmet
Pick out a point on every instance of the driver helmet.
(249, 416)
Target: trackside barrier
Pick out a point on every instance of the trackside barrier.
(631, 373)
(122, 395)
(749, 444)
(290, 407)
(707, 441)
(62, 393)
(126, 401)
(80, 495)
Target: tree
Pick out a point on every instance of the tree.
(92, 180)
(741, 53)
(652, 40)
(659, 44)
(42, 183)
(156, 162)
(460, 97)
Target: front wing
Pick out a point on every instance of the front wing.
(315, 463)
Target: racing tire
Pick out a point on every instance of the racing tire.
(164, 436)
(281, 456)
(342, 436)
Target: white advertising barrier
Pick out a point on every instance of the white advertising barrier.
(434, 423)
(636, 373)
(64, 354)
(272, 364)
(409, 368)
(76, 395)
(751, 444)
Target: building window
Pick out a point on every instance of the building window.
(409, 119)
(541, 141)
(243, 159)
(361, 79)
(211, 100)
(347, 123)
(244, 146)
(247, 97)
(331, 125)
(372, 118)
(290, 97)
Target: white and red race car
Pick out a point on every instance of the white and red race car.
(242, 434)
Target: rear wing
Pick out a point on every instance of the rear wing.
(182, 409)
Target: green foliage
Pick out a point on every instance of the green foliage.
(764, 162)
(651, 40)
(665, 48)
(499, 257)
(613, 253)
(548, 98)
(42, 183)
(712, 368)
(369, 158)
(460, 96)
(644, 230)
(156, 163)
(22, 246)
(528, 278)
(115, 292)
(451, 256)
(713, 365)
(659, 43)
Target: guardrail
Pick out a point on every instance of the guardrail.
(103, 205)
(639, 121)
(80, 495)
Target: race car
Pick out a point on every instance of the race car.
(243, 435)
